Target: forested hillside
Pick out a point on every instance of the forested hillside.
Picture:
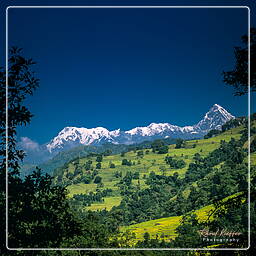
(134, 190)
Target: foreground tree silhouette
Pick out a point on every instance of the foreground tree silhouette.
(39, 215)
(21, 83)
(238, 78)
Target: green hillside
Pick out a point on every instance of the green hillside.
(143, 164)
(164, 227)
(149, 190)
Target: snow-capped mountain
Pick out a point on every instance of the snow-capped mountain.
(214, 119)
(73, 136)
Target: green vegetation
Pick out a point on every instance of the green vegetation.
(39, 213)
(108, 203)
(164, 227)
(159, 195)
(151, 162)
(238, 77)
(152, 193)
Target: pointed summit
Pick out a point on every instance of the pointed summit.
(214, 118)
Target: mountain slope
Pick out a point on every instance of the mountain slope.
(144, 165)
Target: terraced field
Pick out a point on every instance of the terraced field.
(144, 165)
(108, 203)
(164, 228)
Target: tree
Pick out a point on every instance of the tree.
(163, 150)
(140, 153)
(180, 143)
(98, 165)
(97, 180)
(136, 175)
(188, 235)
(99, 158)
(156, 144)
(39, 213)
(212, 133)
(126, 162)
(21, 82)
(238, 78)
(112, 165)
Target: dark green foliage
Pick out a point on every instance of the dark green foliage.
(95, 233)
(180, 143)
(175, 164)
(238, 78)
(39, 214)
(127, 179)
(136, 175)
(126, 162)
(188, 235)
(21, 82)
(118, 174)
(99, 158)
(88, 199)
(88, 165)
(156, 145)
(146, 204)
(77, 171)
(253, 145)
(112, 165)
(159, 146)
(86, 179)
(98, 166)
(163, 150)
(140, 153)
(233, 123)
(228, 151)
(212, 133)
(97, 179)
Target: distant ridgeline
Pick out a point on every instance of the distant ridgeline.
(111, 149)
(162, 193)
(72, 141)
(82, 151)
(159, 146)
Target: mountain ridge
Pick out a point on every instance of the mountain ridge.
(69, 137)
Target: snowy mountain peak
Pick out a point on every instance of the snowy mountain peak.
(214, 118)
(73, 136)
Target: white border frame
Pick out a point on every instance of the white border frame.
(131, 249)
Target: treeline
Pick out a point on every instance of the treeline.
(91, 197)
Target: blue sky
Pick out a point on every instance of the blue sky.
(121, 68)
